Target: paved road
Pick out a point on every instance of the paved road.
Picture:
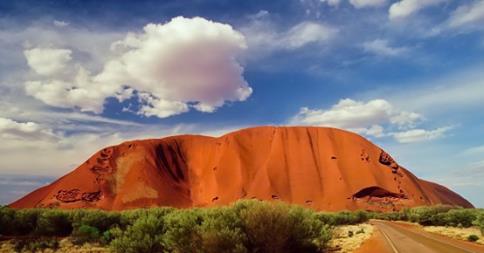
(402, 238)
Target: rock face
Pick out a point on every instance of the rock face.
(321, 168)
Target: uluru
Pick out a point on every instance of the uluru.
(321, 168)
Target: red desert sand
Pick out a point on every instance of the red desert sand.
(321, 168)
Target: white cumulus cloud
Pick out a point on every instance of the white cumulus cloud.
(347, 113)
(60, 23)
(305, 33)
(418, 135)
(331, 2)
(406, 8)
(184, 63)
(469, 14)
(367, 3)
(47, 61)
(371, 118)
(263, 37)
(11, 129)
(359, 116)
(382, 47)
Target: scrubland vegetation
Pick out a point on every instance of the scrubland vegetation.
(458, 223)
(245, 226)
(438, 216)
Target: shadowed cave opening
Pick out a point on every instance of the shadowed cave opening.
(378, 192)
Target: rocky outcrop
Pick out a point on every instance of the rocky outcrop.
(322, 168)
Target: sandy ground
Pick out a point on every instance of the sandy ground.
(456, 233)
(65, 246)
(374, 244)
(453, 232)
(342, 242)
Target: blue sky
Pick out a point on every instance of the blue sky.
(79, 75)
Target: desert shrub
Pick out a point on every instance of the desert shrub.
(221, 231)
(24, 221)
(350, 218)
(182, 230)
(129, 217)
(440, 216)
(35, 245)
(424, 215)
(308, 233)
(7, 215)
(277, 227)
(472, 238)
(462, 217)
(439, 219)
(393, 216)
(326, 218)
(479, 222)
(362, 216)
(86, 233)
(344, 218)
(100, 220)
(145, 235)
(53, 223)
(107, 237)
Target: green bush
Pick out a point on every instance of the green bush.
(425, 215)
(7, 216)
(472, 238)
(479, 222)
(221, 231)
(344, 218)
(435, 216)
(107, 237)
(393, 216)
(454, 217)
(53, 223)
(24, 222)
(182, 230)
(277, 227)
(129, 217)
(86, 233)
(101, 220)
(145, 235)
